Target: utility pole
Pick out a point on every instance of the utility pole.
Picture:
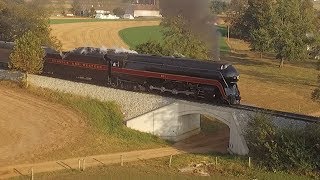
(228, 32)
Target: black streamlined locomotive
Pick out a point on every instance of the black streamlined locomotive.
(209, 80)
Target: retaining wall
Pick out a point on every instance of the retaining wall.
(133, 104)
(14, 76)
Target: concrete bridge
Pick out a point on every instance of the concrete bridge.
(165, 117)
(181, 120)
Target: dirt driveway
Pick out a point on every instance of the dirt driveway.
(96, 34)
(30, 126)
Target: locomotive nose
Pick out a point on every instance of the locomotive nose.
(231, 74)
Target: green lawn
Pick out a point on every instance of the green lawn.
(138, 35)
(223, 44)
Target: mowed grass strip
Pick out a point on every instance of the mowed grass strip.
(138, 35)
(105, 132)
(228, 167)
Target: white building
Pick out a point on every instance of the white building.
(146, 8)
(102, 14)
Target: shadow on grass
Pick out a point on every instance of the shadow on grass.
(242, 59)
(274, 78)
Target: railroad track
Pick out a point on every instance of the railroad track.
(288, 115)
(4, 65)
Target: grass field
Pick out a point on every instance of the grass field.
(88, 20)
(224, 47)
(138, 35)
(264, 84)
(228, 167)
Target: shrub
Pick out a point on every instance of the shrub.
(316, 93)
(284, 148)
(152, 47)
(261, 140)
(119, 11)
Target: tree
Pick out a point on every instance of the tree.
(16, 18)
(293, 20)
(189, 28)
(234, 16)
(119, 12)
(218, 6)
(153, 48)
(256, 15)
(27, 55)
(76, 8)
(261, 41)
(238, 6)
(284, 25)
(179, 39)
(316, 93)
(92, 12)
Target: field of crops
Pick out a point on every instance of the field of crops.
(95, 34)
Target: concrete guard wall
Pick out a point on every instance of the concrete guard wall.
(181, 120)
(15, 76)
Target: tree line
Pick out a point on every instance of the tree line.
(288, 28)
(27, 24)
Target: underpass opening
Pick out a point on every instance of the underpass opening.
(212, 136)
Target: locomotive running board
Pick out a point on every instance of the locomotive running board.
(163, 89)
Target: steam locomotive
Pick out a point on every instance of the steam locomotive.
(208, 80)
(212, 81)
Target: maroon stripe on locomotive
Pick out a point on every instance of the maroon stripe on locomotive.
(172, 77)
(78, 64)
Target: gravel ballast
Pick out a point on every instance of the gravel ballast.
(133, 104)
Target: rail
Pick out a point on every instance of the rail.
(289, 115)
(4, 65)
